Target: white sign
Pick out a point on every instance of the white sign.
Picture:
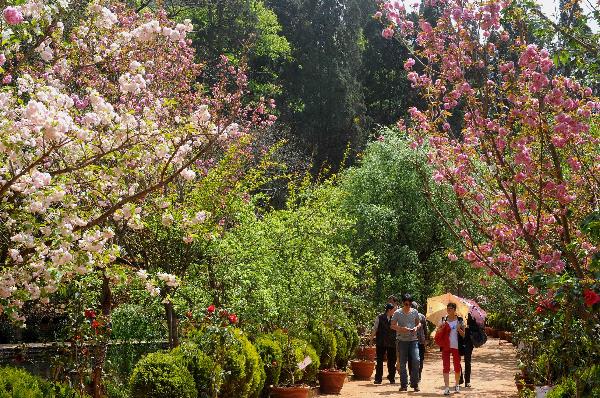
(307, 361)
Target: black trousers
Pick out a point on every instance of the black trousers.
(468, 352)
(421, 358)
(391, 362)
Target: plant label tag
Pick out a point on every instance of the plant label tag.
(307, 361)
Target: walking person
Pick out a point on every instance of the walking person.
(406, 323)
(471, 330)
(451, 349)
(422, 338)
(385, 344)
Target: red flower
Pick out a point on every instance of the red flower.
(233, 318)
(95, 324)
(591, 297)
(189, 314)
(90, 314)
(211, 308)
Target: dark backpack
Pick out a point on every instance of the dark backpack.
(478, 336)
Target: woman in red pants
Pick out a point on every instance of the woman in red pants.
(457, 327)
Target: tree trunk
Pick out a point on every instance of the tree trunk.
(172, 325)
(101, 348)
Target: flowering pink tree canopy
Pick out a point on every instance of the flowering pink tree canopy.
(513, 139)
(96, 115)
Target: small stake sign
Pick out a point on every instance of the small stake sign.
(307, 361)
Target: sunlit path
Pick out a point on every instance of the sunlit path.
(494, 367)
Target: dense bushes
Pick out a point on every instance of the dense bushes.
(207, 374)
(324, 342)
(244, 373)
(294, 351)
(162, 375)
(18, 383)
(271, 354)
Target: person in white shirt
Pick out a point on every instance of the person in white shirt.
(457, 327)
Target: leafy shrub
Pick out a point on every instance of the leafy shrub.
(566, 389)
(271, 354)
(323, 340)
(162, 375)
(342, 355)
(18, 383)
(207, 375)
(295, 351)
(589, 385)
(244, 373)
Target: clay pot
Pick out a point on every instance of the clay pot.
(290, 392)
(488, 331)
(502, 335)
(508, 336)
(366, 352)
(493, 333)
(362, 370)
(331, 381)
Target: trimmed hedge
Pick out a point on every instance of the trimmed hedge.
(323, 340)
(207, 375)
(295, 351)
(162, 375)
(18, 383)
(271, 354)
(244, 373)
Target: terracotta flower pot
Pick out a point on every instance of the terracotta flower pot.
(488, 331)
(331, 381)
(493, 333)
(502, 335)
(508, 336)
(366, 352)
(362, 370)
(290, 392)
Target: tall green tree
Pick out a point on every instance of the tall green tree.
(324, 102)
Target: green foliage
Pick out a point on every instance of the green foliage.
(347, 342)
(244, 373)
(290, 266)
(132, 321)
(323, 339)
(295, 351)
(208, 376)
(395, 222)
(18, 383)
(162, 375)
(271, 354)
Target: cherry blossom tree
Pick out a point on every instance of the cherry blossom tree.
(517, 143)
(99, 113)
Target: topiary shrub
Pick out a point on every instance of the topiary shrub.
(162, 375)
(295, 351)
(207, 375)
(271, 354)
(18, 383)
(342, 355)
(244, 373)
(323, 341)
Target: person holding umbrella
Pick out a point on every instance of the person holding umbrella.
(457, 332)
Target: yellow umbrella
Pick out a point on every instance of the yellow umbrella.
(436, 307)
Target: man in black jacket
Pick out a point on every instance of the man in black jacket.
(385, 342)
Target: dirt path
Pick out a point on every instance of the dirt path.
(494, 367)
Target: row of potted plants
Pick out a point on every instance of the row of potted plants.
(499, 326)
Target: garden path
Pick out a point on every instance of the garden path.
(494, 368)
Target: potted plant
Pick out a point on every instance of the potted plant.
(364, 364)
(366, 350)
(331, 379)
(299, 367)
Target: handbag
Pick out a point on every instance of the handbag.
(442, 336)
